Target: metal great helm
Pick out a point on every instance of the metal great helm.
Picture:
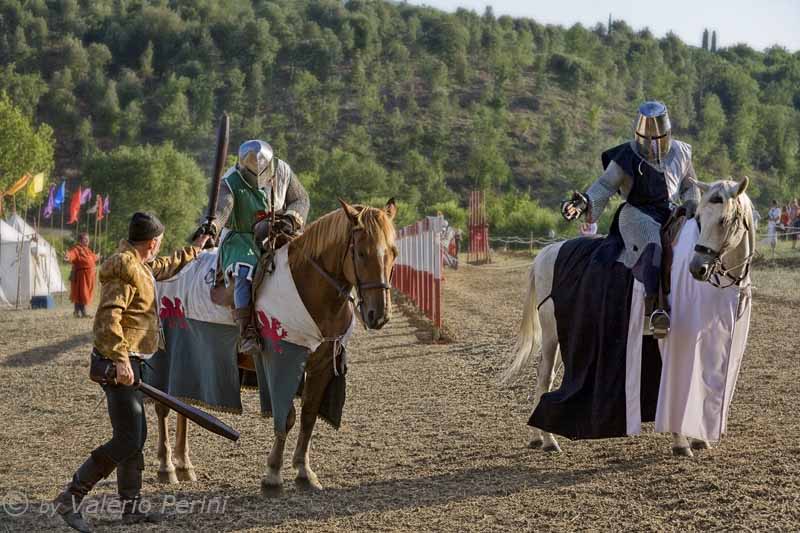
(652, 132)
(255, 159)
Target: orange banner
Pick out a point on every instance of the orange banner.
(18, 186)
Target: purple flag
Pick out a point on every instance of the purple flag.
(105, 206)
(86, 195)
(51, 203)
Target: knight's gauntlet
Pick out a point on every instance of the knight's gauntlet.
(579, 203)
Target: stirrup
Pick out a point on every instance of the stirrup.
(250, 342)
(659, 323)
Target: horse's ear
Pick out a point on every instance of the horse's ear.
(391, 208)
(742, 186)
(350, 211)
(699, 184)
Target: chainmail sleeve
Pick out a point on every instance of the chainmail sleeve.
(606, 186)
(688, 190)
(224, 206)
(297, 202)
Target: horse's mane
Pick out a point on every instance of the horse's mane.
(333, 229)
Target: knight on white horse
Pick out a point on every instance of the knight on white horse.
(590, 303)
(652, 172)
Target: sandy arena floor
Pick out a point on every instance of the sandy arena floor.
(429, 442)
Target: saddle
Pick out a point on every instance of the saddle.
(223, 296)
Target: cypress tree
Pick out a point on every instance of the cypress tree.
(705, 39)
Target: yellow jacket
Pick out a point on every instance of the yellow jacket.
(126, 319)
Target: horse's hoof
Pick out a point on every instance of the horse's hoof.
(308, 484)
(700, 445)
(534, 444)
(168, 477)
(186, 474)
(271, 487)
(552, 448)
(271, 484)
(682, 452)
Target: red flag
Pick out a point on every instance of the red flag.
(74, 206)
(100, 213)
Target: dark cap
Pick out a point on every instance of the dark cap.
(144, 227)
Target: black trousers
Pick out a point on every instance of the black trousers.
(126, 410)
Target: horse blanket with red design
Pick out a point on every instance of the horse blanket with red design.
(200, 362)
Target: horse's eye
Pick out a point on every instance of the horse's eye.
(722, 222)
(362, 254)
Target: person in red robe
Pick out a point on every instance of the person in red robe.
(82, 277)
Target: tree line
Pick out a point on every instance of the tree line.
(369, 99)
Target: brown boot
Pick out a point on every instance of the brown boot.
(67, 504)
(249, 342)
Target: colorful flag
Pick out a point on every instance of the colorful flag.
(86, 195)
(61, 192)
(18, 185)
(51, 202)
(74, 206)
(99, 207)
(106, 210)
(36, 185)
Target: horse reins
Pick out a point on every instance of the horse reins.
(341, 288)
(718, 268)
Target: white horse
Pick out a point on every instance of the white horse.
(725, 219)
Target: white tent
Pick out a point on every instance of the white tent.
(28, 264)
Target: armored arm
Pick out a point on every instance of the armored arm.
(689, 192)
(297, 203)
(606, 186)
(223, 212)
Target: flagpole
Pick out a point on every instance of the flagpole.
(63, 204)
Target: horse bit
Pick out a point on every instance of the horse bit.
(718, 268)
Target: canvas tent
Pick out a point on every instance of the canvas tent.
(28, 264)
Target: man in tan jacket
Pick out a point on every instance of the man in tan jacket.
(126, 330)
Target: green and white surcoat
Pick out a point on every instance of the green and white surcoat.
(239, 246)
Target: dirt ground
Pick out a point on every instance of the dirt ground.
(430, 441)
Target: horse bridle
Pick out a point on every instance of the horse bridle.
(718, 268)
(342, 289)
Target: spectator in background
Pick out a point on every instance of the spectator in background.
(82, 276)
(795, 230)
(773, 219)
(756, 219)
(785, 222)
(794, 210)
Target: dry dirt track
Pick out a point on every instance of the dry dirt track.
(429, 442)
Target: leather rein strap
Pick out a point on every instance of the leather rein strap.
(718, 268)
(342, 289)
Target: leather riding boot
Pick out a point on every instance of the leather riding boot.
(129, 487)
(67, 504)
(249, 342)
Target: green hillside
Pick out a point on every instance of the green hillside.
(371, 99)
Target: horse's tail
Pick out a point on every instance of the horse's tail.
(529, 338)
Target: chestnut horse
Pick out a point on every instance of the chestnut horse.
(351, 249)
